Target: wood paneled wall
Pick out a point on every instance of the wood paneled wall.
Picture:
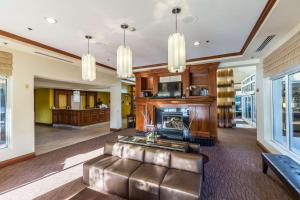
(202, 109)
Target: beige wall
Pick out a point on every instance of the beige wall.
(283, 59)
(21, 95)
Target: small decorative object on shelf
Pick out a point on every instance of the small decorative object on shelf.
(151, 134)
(198, 90)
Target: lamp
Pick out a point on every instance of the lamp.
(124, 58)
(176, 49)
(88, 64)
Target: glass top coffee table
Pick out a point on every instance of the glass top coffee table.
(160, 143)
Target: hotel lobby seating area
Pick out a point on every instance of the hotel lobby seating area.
(135, 172)
(150, 100)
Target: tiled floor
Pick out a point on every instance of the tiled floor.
(48, 138)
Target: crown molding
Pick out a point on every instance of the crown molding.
(47, 47)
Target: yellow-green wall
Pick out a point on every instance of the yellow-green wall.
(43, 102)
(126, 100)
(62, 101)
(83, 103)
(104, 97)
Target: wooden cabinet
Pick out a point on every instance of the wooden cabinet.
(199, 120)
(140, 111)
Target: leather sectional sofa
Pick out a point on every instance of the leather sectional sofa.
(137, 172)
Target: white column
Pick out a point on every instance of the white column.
(260, 103)
(115, 106)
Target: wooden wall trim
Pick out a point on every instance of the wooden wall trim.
(258, 23)
(115, 129)
(47, 47)
(42, 124)
(16, 160)
(262, 147)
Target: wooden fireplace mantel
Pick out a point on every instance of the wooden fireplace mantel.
(202, 109)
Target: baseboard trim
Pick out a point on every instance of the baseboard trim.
(115, 129)
(43, 124)
(262, 147)
(15, 160)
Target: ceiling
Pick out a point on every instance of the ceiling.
(240, 73)
(226, 24)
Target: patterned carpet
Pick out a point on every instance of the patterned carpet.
(233, 172)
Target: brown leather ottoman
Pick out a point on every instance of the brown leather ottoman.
(145, 181)
(87, 165)
(116, 176)
(180, 184)
(97, 169)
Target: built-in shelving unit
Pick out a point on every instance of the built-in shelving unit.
(199, 95)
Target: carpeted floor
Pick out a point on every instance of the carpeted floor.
(233, 172)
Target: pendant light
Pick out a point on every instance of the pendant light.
(176, 49)
(88, 64)
(124, 58)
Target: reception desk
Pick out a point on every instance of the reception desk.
(82, 117)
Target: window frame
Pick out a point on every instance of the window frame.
(287, 147)
(7, 113)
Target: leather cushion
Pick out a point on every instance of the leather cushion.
(96, 171)
(187, 161)
(179, 184)
(145, 181)
(133, 152)
(87, 165)
(108, 148)
(117, 150)
(117, 175)
(157, 156)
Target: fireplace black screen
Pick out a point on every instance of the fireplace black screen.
(172, 121)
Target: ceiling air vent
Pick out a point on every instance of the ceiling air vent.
(265, 43)
(50, 56)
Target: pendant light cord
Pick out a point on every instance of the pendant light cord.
(88, 45)
(124, 38)
(176, 23)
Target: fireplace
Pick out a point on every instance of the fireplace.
(172, 122)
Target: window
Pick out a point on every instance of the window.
(286, 111)
(3, 114)
(279, 111)
(294, 81)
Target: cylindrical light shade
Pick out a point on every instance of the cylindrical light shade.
(88, 67)
(124, 62)
(176, 53)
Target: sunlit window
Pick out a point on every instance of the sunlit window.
(3, 115)
(286, 111)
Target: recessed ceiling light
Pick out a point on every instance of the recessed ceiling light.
(196, 43)
(5, 43)
(132, 28)
(29, 29)
(51, 20)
